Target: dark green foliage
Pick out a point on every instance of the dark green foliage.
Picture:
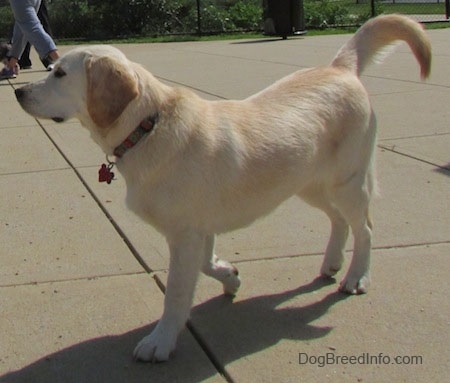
(124, 19)
(98, 19)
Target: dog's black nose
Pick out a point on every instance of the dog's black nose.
(19, 93)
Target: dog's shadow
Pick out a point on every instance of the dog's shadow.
(230, 330)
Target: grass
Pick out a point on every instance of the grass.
(164, 39)
(438, 25)
(225, 36)
(351, 5)
(408, 9)
(213, 37)
(415, 9)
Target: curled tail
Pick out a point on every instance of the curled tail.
(378, 33)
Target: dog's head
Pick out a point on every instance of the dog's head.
(94, 84)
(4, 51)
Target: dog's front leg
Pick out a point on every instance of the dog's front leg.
(186, 256)
(218, 269)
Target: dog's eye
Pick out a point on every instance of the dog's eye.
(59, 73)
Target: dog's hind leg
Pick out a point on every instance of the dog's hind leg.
(352, 200)
(334, 254)
(218, 269)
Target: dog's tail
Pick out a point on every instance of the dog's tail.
(378, 33)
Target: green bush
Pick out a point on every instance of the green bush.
(71, 19)
(321, 13)
(223, 16)
(6, 22)
(215, 19)
(99, 19)
(246, 15)
(168, 17)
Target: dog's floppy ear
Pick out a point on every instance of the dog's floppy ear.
(110, 88)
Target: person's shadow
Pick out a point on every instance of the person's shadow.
(227, 330)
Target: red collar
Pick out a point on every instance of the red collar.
(145, 127)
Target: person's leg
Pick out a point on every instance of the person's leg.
(45, 21)
(43, 17)
(24, 61)
(29, 28)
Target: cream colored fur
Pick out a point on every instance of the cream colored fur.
(213, 166)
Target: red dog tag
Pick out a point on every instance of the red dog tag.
(105, 174)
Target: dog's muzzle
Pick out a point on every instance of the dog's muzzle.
(21, 98)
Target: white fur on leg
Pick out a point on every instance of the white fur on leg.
(157, 346)
(355, 284)
(223, 271)
(226, 273)
(186, 256)
(357, 280)
(229, 275)
(334, 255)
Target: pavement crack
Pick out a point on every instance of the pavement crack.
(209, 352)
(102, 207)
(199, 339)
(65, 280)
(191, 87)
(347, 251)
(393, 149)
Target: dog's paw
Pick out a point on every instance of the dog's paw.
(225, 273)
(355, 284)
(232, 282)
(332, 262)
(329, 270)
(156, 347)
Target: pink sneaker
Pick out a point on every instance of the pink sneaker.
(7, 73)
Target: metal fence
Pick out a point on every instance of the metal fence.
(100, 19)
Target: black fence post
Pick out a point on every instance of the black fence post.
(447, 9)
(373, 10)
(199, 18)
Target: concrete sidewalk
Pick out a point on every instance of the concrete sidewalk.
(77, 275)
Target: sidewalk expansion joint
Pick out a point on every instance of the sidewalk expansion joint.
(393, 150)
(432, 135)
(115, 225)
(199, 339)
(191, 87)
(35, 171)
(250, 59)
(348, 251)
(209, 353)
(411, 245)
(68, 280)
(407, 81)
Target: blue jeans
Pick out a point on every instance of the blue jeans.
(27, 27)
